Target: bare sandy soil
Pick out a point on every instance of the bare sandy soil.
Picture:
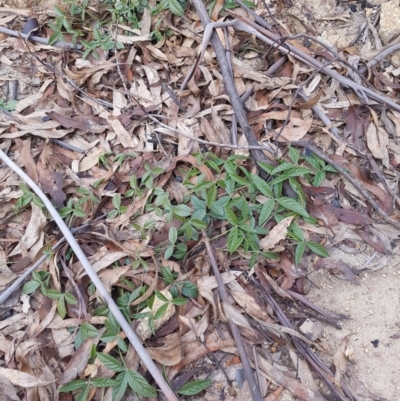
(373, 330)
(372, 304)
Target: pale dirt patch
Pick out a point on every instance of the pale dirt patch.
(373, 305)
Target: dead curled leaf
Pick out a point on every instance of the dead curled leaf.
(22, 379)
(278, 233)
(334, 264)
(84, 123)
(351, 216)
(52, 183)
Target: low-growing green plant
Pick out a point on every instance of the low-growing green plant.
(41, 280)
(101, 40)
(183, 288)
(119, 208)
(85, 385)
(242, 199)
(74, 207)
(27, 197)
(8, 105)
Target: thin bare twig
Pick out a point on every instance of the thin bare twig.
(325, 374)
(38, 39)
(248, 372)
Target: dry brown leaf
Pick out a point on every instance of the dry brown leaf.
(33, 238)
(234, 315)
(77, 364)
(170, 352)
(27, 160)
(296, 128)
(84, 123)
(21, 379)
(382, 196)
(334, 264)
(278, 233)
(51, 183)
(373, 141)
(248, 303)
(111, 276)
(8, 391)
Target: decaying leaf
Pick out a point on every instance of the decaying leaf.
(21, 379)
(333, 264)
(278, 233)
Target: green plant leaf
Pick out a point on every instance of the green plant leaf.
(300, 248)
(122, 383)
(197, 203)
(329, 168)
(200, 225)
(282, 167)
(30, 287)
(113, 213)
(103, 382)
(110, 362)
(182, 210)
(266, 211)
(167, 275)
(294, 155)
(72, 386)
(262, 186)
(189, 289)
(292, 205)
(168, 252)
(172, 235)
(239, 180)
(121, 344)
(179, 301)
(70, 298)
(116, 201)
(84, 394)
(234, 240)
(139, 385)
(161, 296)
(78, 212)
(231, 216)
(161, 311)
(297, 231)
(318, 178)
(266, 167)
(318, 249)
(54, 294)
(211, 195)
(61, 309)
(88, 330)
(194, 387)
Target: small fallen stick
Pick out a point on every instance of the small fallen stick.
(119, 317)
(248, 372)
(38, 39)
